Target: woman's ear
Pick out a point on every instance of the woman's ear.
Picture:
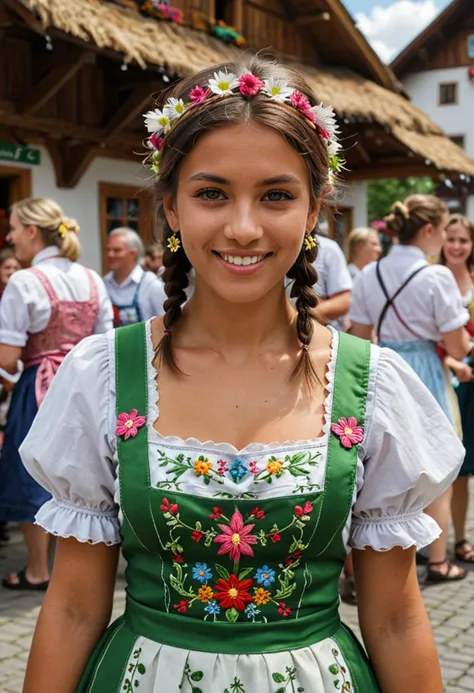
(169, 209)
(312, 218)
(32, 232)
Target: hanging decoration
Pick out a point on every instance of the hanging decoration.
(227, 34)
(160, 10)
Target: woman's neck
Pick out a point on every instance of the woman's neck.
(461, 275)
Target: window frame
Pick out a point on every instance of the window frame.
(470, 47)
(444, 85)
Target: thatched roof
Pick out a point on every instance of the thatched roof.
(184, 50)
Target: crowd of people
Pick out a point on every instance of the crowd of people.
(372, 458)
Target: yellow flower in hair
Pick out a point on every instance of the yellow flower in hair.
(62, 230)
(174, 243)
(309, 243)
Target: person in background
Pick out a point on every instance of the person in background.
(153, 260)
(413, 305)
(363, 247)
(458, 256)
(136, 294)
(45, 311)
(334, 284)
(8, 265)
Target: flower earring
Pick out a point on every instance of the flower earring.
(310, 242)
(174, 243)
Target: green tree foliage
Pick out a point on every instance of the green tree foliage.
(383, 193)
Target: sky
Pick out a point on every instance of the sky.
(390, 25)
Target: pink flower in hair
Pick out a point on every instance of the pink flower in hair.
(155, 141)
(301, 102)
(249, 84)
(198, 95)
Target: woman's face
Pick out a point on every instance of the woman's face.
(9, 267)
(370, 250)
(243, 206)
(458, 245)
(21, 239)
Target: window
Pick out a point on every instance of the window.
(470, 47)
(458, 139)
(123, 205)
(448, 94)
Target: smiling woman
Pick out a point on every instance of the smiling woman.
(235, 548)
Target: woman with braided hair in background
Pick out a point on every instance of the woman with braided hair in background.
(44, 312)
(235, 502)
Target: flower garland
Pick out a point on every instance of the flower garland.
(161, 10)
(160, 122)
(227, 34)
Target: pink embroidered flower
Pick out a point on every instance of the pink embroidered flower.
(196, 535)
(274, 536)
(236, 538)
(283, 609)
(301, 102)
(155, 141)
(166, 507)
(348, 431)
(222, 467)
(253, 467)
(128, 424)
(249, 84)
(305, 510)
(218, 512)
(198, 95)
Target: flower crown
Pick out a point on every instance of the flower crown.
(323, 119)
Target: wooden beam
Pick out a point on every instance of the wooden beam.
(68, 66)
(130, 109)
(312, 18)
(29, 18)
(70, 162)
(363, 152)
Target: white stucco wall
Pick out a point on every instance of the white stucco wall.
(354, 195)
(82, 202)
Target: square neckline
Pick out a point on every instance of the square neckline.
(153, 412)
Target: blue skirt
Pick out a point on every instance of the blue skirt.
(20, 495)
(422, 357)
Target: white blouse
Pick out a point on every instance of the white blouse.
(409, 455)
(431, 304)
(25, 307)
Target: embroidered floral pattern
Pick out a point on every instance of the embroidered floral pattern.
(287, 681)
(348, 431)
(128, 424)
(192, 677)
(341, 682)
(135, 669)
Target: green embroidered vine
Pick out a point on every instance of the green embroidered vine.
(192, 677)
(235, 687)
(134, 668)
(338, 669)
(288, 679)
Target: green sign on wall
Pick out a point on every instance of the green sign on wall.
(18, 154)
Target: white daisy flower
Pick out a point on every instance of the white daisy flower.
(277, 89)
(174, 108)
(334, 147)
(326, 119)
(156, 121)
(223, 83)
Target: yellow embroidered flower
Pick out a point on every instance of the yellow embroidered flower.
(202, 466)
(274, 466)
(261, 596)
(205, 594)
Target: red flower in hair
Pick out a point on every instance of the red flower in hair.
(301, 102)
(249, 84)
(198, 95)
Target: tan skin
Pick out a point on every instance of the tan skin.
(238, 330)
(9, 267)
(458, 251)
(430, 240)
(121, 259)
(368, 252)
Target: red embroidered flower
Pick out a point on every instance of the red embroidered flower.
(348, 431)
(258, 514)
(253, 467)
(182, 607)
(128, 424)
(305, 510)
(218, 512)
(196, 535)
(177, 558)
(167, 508)
(294, 557)
(198, 95)
(249, 84)
(232, 593)
(156, 141)
(222, 467)
(275, 537)
(283, 609)
(301, 102)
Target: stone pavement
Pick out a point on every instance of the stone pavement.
(451, 610)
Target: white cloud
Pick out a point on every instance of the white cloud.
(389, 29)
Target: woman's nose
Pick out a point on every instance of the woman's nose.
(243, 227)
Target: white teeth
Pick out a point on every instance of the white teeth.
(239, 260)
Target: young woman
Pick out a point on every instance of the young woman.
(414, 305)
(235, 544)
(44, 312)
(363, 247)
(458, 256)
(8, 265)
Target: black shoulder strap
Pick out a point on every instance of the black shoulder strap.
(389, 303)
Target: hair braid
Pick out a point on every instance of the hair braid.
(176, 281)
(305, 276)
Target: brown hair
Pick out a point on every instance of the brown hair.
(469, 226)
(218, 113)
(7, 254)
(48, 217)
(407, 218)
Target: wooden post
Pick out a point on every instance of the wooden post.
(238, 15)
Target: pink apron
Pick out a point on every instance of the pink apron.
(70, 322)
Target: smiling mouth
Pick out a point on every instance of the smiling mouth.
(242, 260)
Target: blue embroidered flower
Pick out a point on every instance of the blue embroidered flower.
(252, 611)
(265, 576)
(238, 469)
(201, 572)
(214, 608)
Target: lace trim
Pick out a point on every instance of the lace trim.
(228, 448)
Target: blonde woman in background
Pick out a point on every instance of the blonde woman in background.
(363, 247)
(44, 312)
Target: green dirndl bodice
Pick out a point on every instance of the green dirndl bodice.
(231, 591)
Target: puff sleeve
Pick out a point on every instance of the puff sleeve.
(410, 455)
(69, 450)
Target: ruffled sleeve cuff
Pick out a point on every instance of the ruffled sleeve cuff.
(382, 534)
(87, 525)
